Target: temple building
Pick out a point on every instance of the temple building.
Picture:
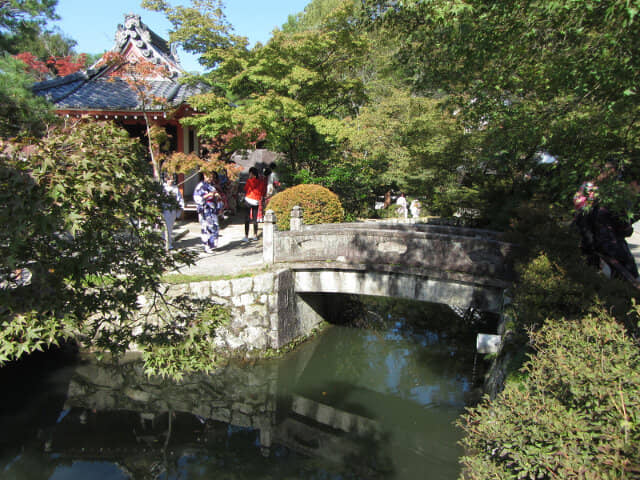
(102, 91)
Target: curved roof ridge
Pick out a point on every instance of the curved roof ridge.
(151, 46)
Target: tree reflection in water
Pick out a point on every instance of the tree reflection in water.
(374, 402)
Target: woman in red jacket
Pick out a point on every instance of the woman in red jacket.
(254, 190)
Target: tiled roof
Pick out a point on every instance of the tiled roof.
(90, 91)
(95, 89)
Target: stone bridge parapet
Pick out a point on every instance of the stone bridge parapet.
(458, 266)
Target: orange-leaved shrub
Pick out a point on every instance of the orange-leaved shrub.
(319, 205)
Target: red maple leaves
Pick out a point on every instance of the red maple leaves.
(53, 66)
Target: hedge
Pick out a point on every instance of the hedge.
(319, 205)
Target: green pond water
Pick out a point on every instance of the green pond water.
(376, 399)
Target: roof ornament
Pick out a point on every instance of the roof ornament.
(131, 20)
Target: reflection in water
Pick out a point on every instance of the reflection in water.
(352, 403)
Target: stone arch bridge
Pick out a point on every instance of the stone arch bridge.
(460, 267)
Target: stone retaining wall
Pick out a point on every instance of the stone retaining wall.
(265, 310)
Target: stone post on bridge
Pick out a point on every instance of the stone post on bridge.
(268, 237)
(295, 224)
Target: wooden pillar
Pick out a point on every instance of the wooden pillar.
(180, 133)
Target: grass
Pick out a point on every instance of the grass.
(178, 278)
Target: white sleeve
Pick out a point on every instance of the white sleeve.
(179, 198)
(197, 195)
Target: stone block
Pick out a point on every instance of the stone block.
(241, 286)
(243, 408)
(177, 290)
(263, 283)
(234, 343)
(243, 300)
(221, 288)
(255, 309)
(100, 376)
(272, 303)
(221, 414)
(219, 300)
(488, 343)
(255, 338)
(272, 339)
(200, 289)
(137, 395)
(240, 419)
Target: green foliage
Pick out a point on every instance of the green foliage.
(414, 144)
(319, 205)
(553, 279)
(201, 28)
(22, 19)
(314, 15)
(48, 44)
(546, 288)
(21, 113)
(77, 245)
(392, 211)
(178, 278)
(526, 77)
(187, 349)
(291, 94)
(576, 416)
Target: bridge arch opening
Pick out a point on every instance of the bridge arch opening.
(353, 310)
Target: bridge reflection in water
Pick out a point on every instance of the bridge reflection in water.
(351, 403)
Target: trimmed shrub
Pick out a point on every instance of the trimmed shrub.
(319, 205)
(390, 212)
(575, 415)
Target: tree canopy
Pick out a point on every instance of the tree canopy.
(78, 205)
(558, 77)
(507, 82)
(77, 247)
(21, 21)
(21, 113)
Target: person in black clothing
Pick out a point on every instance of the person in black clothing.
(602, 231)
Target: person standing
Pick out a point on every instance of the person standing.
(272, 180)
(169, 210)
(254, 190)
(415, 208)
(213, 208)
(387, 199)
(602, 229)
(203, 195)
(402, 203)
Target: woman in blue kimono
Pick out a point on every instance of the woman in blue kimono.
(209, 206)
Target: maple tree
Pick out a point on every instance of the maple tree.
(77, 207)
(56, 66)
(139, 75)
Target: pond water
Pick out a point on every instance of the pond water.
(375, 399)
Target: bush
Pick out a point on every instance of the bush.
(576, 415)
(554, 279)
(390, 212)
(319, 205)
